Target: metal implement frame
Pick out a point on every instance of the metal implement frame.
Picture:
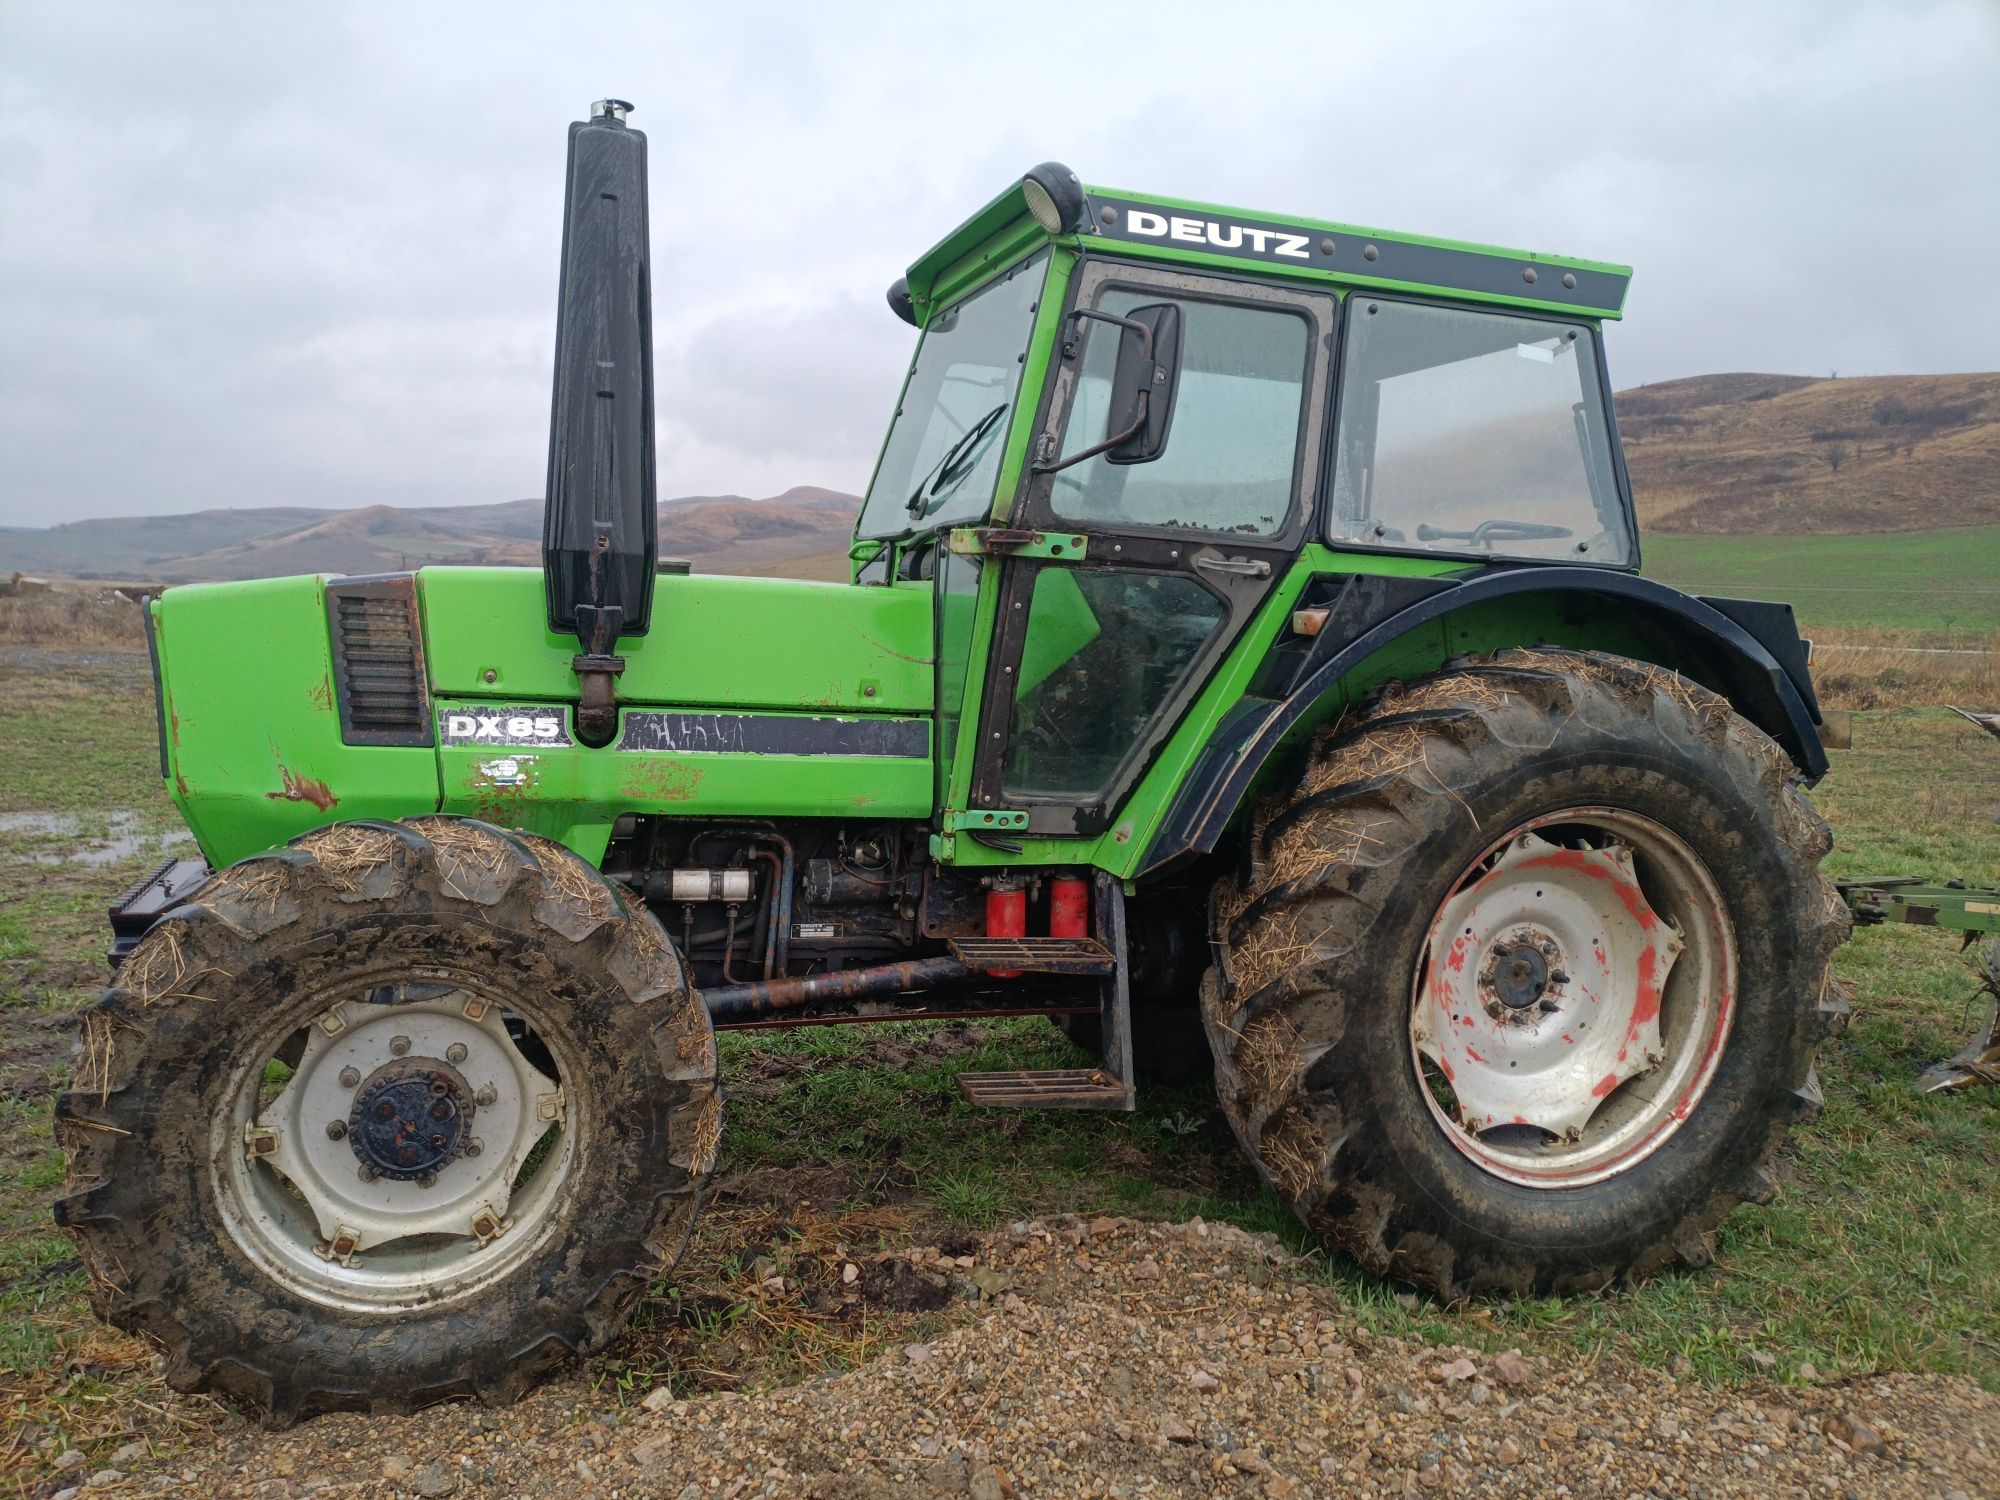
(1953, 904)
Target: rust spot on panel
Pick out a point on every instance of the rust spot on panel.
(662, 780)
(299, 788)
(181, 782)
(322, 695)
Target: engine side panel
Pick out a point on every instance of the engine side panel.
(750, 698)
(715, 642)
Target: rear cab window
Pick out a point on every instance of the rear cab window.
(1476, 434)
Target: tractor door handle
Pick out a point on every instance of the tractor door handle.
(1242, 567)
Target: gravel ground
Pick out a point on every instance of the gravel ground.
(1119, 1358)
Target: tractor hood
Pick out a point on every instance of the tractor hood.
(721, 643)
(290, 703)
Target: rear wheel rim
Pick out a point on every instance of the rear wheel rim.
(422, 1146)
(1573, 998)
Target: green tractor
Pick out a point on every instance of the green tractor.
(1244, 664)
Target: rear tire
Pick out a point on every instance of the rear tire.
(1330, 990)
(218, 1166)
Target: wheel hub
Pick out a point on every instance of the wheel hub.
(1521, 971)
(411, 1117)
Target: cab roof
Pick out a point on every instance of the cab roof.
(1111, 220)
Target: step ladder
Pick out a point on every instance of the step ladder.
(1109, 1084)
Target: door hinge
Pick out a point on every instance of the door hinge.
(986, 820)
(1006, 541)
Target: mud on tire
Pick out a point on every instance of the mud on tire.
(448, 919)
(1309, 1006)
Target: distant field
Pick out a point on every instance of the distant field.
(1948, 579)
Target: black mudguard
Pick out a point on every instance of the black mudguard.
(1747, 650)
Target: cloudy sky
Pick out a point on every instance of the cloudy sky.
(306, 254)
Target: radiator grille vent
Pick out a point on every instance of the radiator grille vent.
(378, 662)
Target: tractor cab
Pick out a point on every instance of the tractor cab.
(1129, 422)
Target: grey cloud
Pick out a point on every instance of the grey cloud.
(260, 254)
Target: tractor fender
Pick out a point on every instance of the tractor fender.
(1749, 651)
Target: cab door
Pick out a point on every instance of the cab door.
(1146, 573)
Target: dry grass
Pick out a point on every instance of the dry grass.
(1292, 1152)
(161, 970)
(1859, 668)
(347, 855)
(706, 1138)
(75, 617)
(103, 1391)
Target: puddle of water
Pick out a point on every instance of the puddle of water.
(123, 839)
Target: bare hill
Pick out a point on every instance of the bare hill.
(1786, 454)
(718, 534)
(1739, 454)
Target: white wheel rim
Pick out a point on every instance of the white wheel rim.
(307, 1191)
(1574, 997)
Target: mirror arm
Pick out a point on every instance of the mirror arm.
(1133, 324)
(1139, 426)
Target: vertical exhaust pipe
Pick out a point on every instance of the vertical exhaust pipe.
(600, 531)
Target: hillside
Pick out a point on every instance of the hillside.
(720, 534)
(1786, 454)
(1714, 455)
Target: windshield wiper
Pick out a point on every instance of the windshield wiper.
(952, 465)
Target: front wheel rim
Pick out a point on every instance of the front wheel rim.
(1573, 998)
(323, 1182)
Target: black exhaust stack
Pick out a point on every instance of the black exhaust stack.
(600, 533)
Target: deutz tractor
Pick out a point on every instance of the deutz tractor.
(1245, 663)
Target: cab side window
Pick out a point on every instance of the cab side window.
(1231, 458)
(1478, 434)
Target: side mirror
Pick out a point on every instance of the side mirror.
(1143, 384)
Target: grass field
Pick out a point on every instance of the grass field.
(1882, 1252)
(1943, 580)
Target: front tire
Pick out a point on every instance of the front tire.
(1460, 882)
(401, 1113)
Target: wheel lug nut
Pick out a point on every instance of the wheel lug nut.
(398, 1045)
(487, 1095)
(350, 1078)
(427, 1179)
(474, 1146)
(367, 1173)
(455, 1053)
(336, 1130)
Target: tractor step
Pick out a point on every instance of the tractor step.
(1034, 955)
(1048, 1088)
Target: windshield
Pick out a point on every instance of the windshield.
(1474, 433)
(943, 455)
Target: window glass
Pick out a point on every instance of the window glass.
(1474, 433)
(942, 458)
(1104, 653)
(957, 595)
(1233, 446)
